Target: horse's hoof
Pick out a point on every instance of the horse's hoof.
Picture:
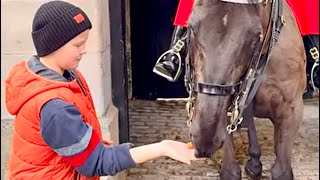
(253, 170)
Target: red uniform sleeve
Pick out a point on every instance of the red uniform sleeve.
(306, 13)
(183, 12)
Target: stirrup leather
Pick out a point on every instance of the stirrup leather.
(176, 51)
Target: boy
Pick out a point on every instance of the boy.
(56, 131)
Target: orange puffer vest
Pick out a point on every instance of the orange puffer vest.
(31, 158)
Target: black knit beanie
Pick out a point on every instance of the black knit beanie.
(55, 23)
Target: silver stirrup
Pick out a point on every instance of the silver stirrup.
(315, 89)
(175, 50)
(315, 56)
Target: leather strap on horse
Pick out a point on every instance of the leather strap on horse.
(220, 90)
(257, 67)
(277, 21)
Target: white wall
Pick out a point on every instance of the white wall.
(16, 44)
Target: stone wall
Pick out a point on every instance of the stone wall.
(17, 45)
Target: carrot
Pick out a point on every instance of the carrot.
(190, 145)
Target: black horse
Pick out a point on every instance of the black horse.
(246, 59)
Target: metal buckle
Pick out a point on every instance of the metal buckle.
(178, 46)
(314, 53)
(234, 117)
(283, 20)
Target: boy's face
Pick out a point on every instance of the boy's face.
(69, 55)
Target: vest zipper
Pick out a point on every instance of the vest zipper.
(80, 83)
(76, 176)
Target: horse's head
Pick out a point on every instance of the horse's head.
(222, 40)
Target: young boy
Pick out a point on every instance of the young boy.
(56, 131)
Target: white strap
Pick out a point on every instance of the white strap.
(244, 1)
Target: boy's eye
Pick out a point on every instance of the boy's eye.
(78, 45)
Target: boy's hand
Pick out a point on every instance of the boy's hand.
(107, 140)
(178, 151)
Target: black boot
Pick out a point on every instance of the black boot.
(311, 43)
(169, 64)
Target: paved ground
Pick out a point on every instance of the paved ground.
(151, 121)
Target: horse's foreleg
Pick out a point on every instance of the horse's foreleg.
(254, 166)
(230, 170)
(285, 129)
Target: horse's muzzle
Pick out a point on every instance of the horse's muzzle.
(202, 154)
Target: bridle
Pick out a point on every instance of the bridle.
(244, 91)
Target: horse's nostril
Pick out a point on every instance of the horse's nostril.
(200, 154)
(208, 155)
(197, 153)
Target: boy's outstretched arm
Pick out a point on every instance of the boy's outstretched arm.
(64, 130)
(169, 148)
